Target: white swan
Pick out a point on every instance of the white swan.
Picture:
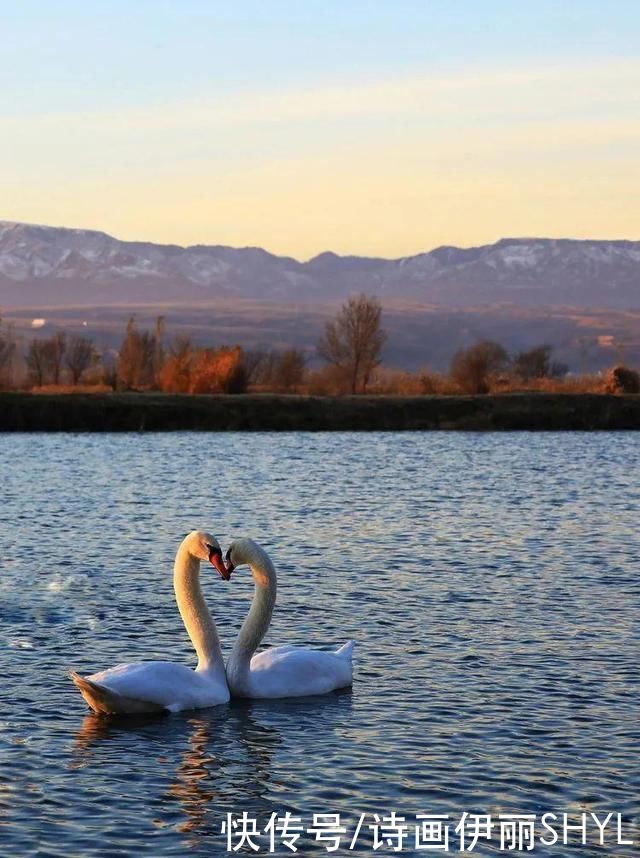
(154, 686)
(283, 671)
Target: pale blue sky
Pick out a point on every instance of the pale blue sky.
(200, 104)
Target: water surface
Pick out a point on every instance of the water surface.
(490, 581)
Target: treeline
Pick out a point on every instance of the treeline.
(146, 361)
(349, 350)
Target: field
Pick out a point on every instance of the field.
(419, 336)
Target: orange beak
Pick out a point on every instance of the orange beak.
(215, 558)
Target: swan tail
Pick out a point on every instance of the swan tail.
(345, 651)
(106, 702)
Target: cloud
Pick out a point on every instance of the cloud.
(389, 167)
(513, 92)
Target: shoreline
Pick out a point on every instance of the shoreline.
(161, 412)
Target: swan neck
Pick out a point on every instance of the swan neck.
(257, 621)
(194, 612)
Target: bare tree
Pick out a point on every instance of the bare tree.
(257, 365)
(37, 361)
(136, 363)
(472, 368)
(56, 347)
(158, 350)
(288, 370)
(537, 363)
(352, 341)
(45, 357)
(7, 351)
(81, 354)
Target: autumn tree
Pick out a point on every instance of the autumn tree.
(352, 342)
(176, 370)
(139, 356)
(80, 355)
(472, 368)
(218, 371)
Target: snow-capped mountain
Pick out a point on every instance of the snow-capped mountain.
(50, 265)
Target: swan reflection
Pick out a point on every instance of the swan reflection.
(208, 762)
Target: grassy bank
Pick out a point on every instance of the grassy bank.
(165, 412)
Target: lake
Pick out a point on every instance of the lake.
(490, 582)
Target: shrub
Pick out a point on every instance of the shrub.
(395, 382)
(436, 384)
(621, 379)
(472, 368)
(330, 380)
(218, 371)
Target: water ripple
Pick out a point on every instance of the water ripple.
(490, 582)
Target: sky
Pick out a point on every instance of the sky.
(384, 128)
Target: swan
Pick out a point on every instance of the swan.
(156, 686)
(283, 671)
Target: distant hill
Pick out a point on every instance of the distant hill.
(51, 266)
(581, 297)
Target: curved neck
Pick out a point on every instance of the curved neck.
(194, 612)
(257, 621)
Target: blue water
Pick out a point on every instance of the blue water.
(491, 583)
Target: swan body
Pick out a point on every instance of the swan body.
(283, 671)
(161, 683)
(155, 686)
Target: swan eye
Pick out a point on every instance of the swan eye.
(227, 556)
(213, 550)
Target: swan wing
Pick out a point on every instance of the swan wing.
(288, 671)
(106, 702)
(171, 686)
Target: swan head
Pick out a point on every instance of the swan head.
(206, 547)
(243, 551)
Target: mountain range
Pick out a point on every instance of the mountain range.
(52, 266)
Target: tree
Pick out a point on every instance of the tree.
(136, 364)
(287, 372)
(37, 361)
(352, 341)
(472, 368)
(158, 351)
(218, 371)
(537, 363)
(81, 354)
(7, 350)
(57, 345)
(175, 375)
(258, 365)
(45, 357)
